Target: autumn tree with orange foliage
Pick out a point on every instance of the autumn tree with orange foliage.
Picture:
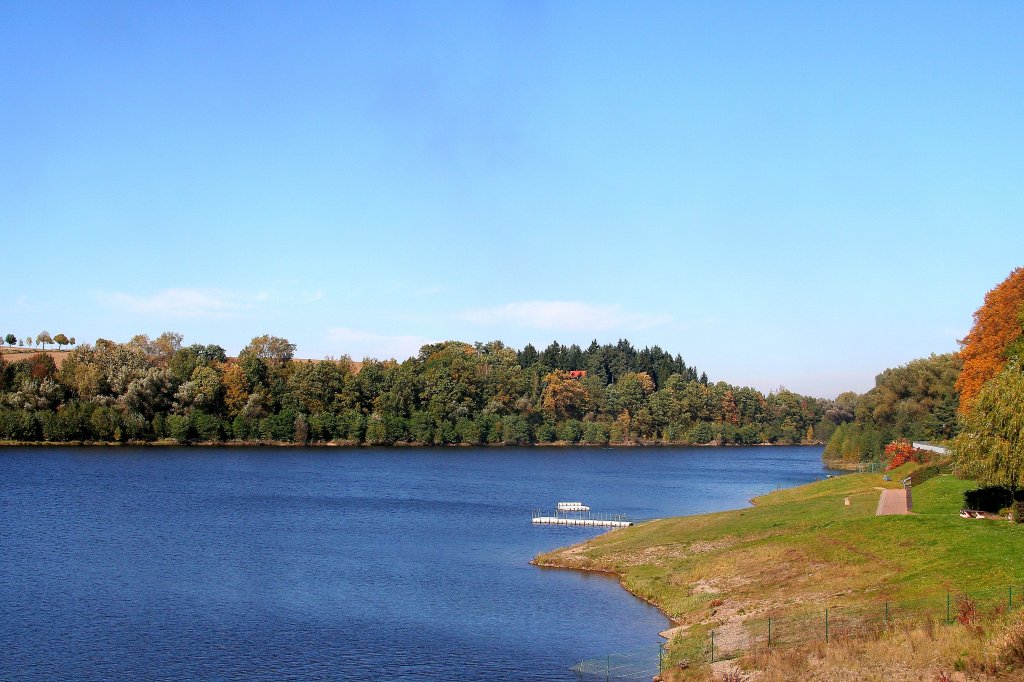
(564, 397)
(997, 332)
(900, 452)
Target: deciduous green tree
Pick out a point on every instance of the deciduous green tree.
(150, 394)
(990, 446)
(315, 385)
(273, 349)
(201, 392)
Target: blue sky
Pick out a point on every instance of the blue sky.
(797, 194)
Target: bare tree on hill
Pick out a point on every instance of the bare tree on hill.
(44, 338)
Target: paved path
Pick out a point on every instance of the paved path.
(892, 501)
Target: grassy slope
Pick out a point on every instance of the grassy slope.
(804, 548)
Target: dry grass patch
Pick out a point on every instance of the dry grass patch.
(925, 650)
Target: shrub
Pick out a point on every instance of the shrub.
(376, 433)
(445, 433)
(469, 431)
(352, 424)
(991, 498)
(205, 426)
(900, 452)
(104, 423)
(135, 426)
(178, 427)
(966, 610)
(278, 427)
(570, 431)
(701, 434)
(925, 473)
(514, 430)
(595, 433)
(160, 425)
(322, 426)
(244, 428)
(546, 432)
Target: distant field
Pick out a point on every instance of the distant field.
(19, 353)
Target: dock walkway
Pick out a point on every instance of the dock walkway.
(575, 521)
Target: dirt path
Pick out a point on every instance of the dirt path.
(892, 501)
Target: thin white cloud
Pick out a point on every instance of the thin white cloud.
(358, 344)
(311, 296)
(565, 315)
(188, 303)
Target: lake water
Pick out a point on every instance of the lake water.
(272, 564)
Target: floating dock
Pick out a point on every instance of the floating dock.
(572, 506)
(573, 521)
(579, 517)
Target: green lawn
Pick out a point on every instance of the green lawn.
(943, 494)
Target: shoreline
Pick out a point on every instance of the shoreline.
(610, 573)
(797, 551)
(679, 624)
(621, 576)
(171, 443)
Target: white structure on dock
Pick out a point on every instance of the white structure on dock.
(572, 506)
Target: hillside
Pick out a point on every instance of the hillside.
(16, 353)
(798, 552)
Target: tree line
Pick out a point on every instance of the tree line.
(916, 401)
(972, 399)
(42, 338)
(450, 393)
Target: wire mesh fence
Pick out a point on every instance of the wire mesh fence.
(791, 629)
(870, 467)
(637, 664)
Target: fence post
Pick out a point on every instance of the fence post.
(769, 632)
(826, 626)
(887, 613)
(947, 608)
(712, 646)
(661, 657)
(1009, 604)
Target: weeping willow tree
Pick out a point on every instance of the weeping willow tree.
(990, 446)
